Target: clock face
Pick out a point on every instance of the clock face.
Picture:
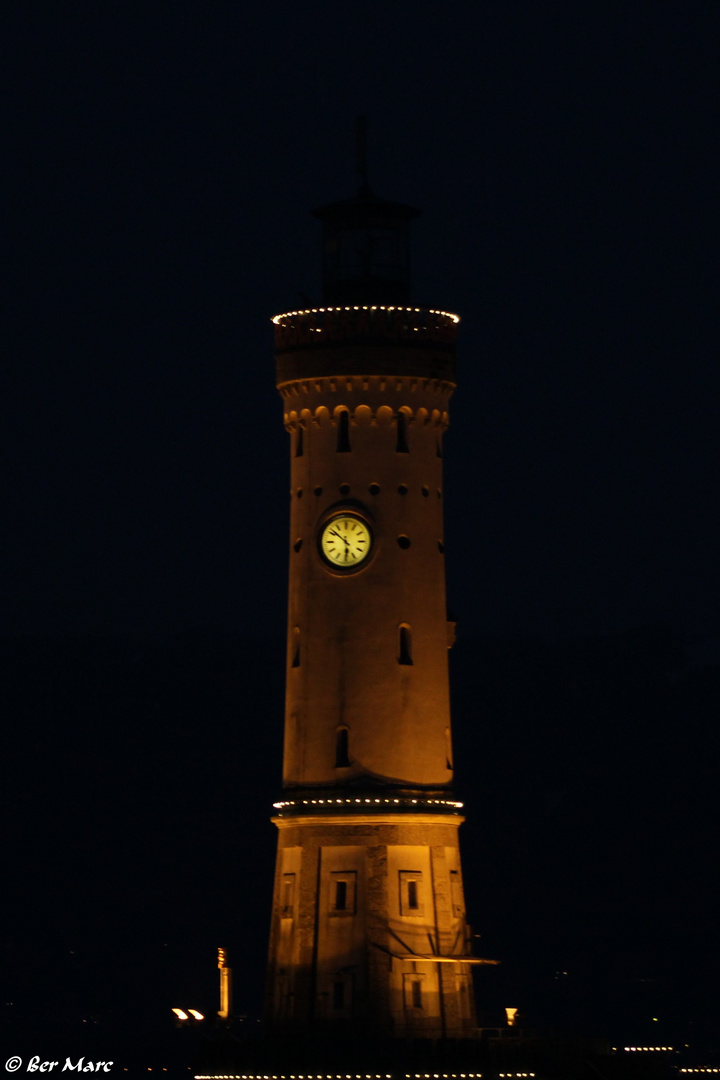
(345, 541)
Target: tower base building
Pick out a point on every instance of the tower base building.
(369, 938)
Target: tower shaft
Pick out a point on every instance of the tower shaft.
(368, 651)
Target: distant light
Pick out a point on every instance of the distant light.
(180, 1014)
(630, 1049)
(196, 1015)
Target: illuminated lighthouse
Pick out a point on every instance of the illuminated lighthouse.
(369, 935)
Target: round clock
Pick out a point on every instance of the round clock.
(345, 541)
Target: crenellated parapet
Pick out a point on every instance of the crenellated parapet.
(369, 401)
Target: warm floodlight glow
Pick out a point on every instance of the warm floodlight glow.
(196, 1015)
(511, 1014)
(180, 1014)
(225, 986)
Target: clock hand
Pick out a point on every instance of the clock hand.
(336, 533)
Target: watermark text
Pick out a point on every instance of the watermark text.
(36, 1064)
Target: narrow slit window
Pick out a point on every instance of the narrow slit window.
(341, 895)
(456, 893)
(299, 443)
(288, 895)
(343, 432)
(405, 643)
(402, 443)
(296, 647)
(342, 748)
(413, 895)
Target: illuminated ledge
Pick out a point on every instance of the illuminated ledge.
(278, 319)
(358, 1076)
(362, 804)
(376, 324)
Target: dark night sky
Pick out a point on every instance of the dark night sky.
(162, 163)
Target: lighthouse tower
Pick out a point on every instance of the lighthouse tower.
(368, 935)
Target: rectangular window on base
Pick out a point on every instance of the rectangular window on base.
(411, 893)
(342, 893)
(413, 992)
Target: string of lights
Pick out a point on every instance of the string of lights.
(277, 319)
(401, 803)
(359, 1076)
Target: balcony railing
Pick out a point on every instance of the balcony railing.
(377, 324)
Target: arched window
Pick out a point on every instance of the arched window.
(342, 748)
(448, 749)
(405, 645)
(343, 432)
(402, 443)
